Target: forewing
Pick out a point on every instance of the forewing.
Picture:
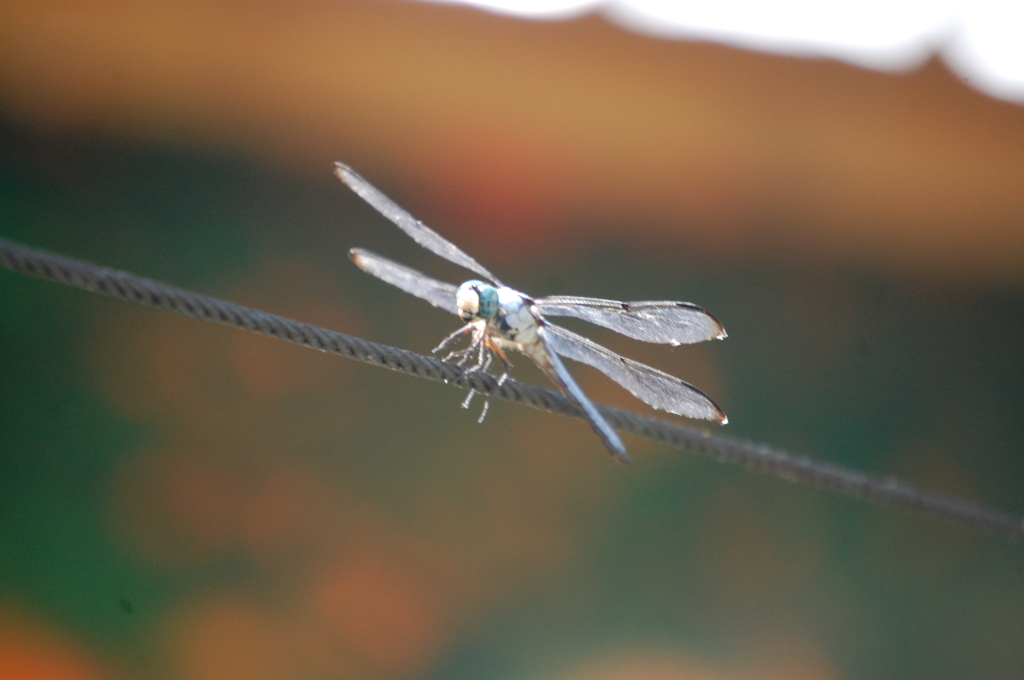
(675, 323)
(421, 233)
(660, 390)
(437, 293)
(549, 362)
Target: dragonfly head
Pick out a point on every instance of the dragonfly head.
(476, 300)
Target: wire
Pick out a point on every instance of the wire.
(751, 456)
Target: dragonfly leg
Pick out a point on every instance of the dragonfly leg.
(483, 360)
(444, 343)
(505, 363)
(489, 360)
(458, 354)
(504, 375)
(465, 354)
(485, 350)
(483, 413)
(453, 355)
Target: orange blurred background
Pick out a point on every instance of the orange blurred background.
(540, 127)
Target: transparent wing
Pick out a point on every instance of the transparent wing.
(675, 323)
(437, 293)
(549, 362)
(660, 390)
(421, 233)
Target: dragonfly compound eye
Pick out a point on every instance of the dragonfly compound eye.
(469, 300)
(488, 301)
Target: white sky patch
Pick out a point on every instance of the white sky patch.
(982, 40)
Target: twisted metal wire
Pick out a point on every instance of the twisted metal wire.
(751, 456)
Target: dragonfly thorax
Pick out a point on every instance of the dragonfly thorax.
(515, 320)
(476, 300)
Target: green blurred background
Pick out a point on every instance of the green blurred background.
(182, 501)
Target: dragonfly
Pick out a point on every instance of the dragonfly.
(498, 318)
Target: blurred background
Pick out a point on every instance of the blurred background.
(181, 501)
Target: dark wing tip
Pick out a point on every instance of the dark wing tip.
(358, 255)
(719, 413)
(344, 173)
(722, 335)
